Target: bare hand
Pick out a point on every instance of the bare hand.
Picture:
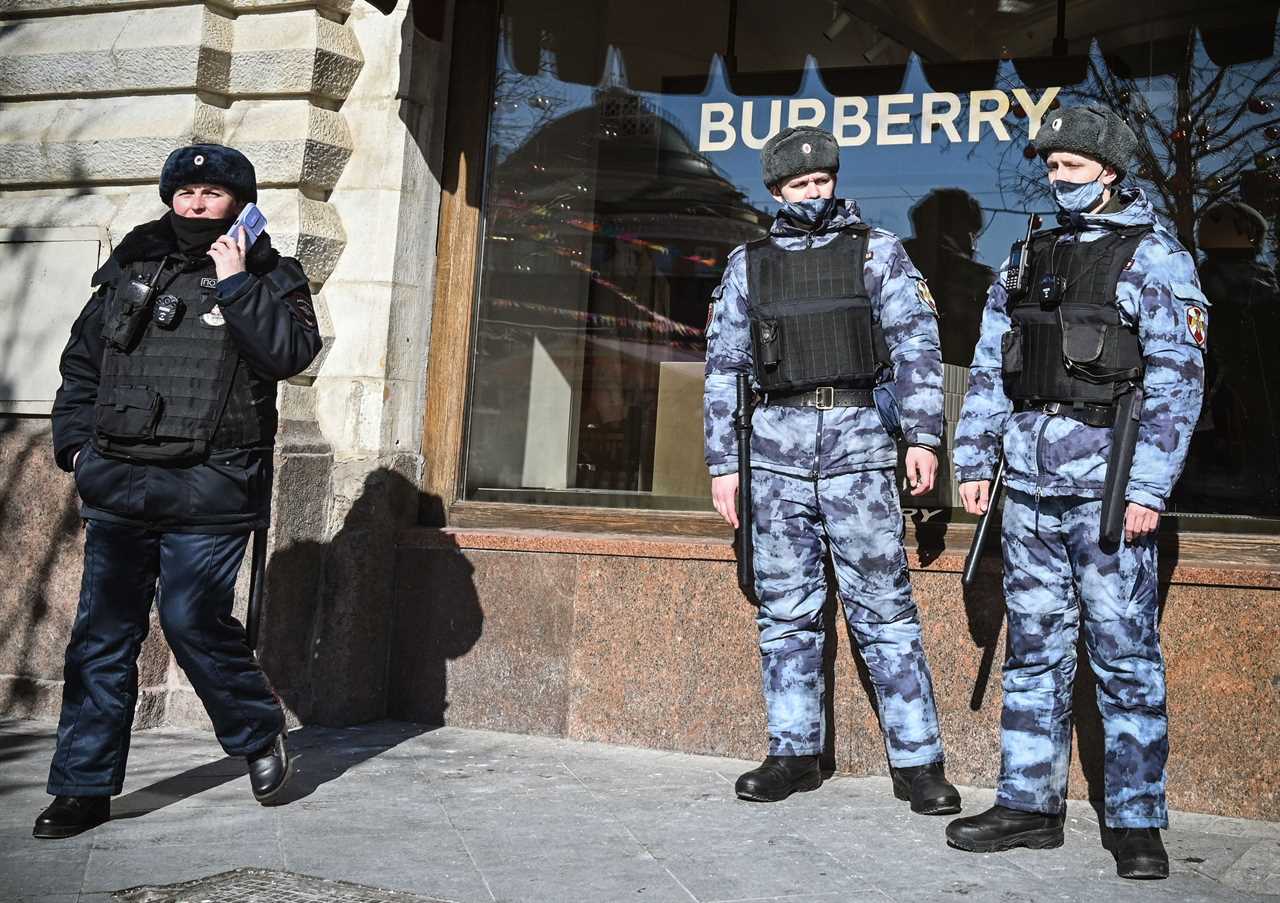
(1139, 520)
(975, 495)
(228, 254)
(724, 495)
(922, 469)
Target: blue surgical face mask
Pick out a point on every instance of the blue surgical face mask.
(1076, 197)
(809, 212)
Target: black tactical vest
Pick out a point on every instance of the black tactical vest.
(811, 318)
(174, 393)
(1066, 342)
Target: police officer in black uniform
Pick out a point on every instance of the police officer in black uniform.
(167, 414)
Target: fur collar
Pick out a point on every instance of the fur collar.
(155, 240)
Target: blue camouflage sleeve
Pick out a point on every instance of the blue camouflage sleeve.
(986, 408)
(908, 318)
(728, 354)
(1173, 323)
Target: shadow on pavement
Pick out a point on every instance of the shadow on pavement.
(320, 755)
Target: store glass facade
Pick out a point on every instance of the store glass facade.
(623, 167)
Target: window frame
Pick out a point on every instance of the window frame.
(444, 437)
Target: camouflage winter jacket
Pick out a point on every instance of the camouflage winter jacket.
(1055, 455)
(805, 441)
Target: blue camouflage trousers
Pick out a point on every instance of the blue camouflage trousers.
(1054, 566)
(857, 516)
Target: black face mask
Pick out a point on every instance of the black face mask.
(196, 233)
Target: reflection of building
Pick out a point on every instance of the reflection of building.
(608, 234)
(1235, 453)
(945, 225)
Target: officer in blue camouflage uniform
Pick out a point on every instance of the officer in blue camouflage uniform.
(1110, 277)
(823, 461)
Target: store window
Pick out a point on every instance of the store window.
(623, 167)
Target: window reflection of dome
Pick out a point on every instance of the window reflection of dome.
(648, 165)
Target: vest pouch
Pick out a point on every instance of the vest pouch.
(129, 413)
(767, 336)
(1011, 351)
(1083, 343)
(127, 314)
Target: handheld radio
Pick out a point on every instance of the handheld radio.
(1015, 277)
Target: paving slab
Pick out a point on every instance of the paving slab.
(446, 814)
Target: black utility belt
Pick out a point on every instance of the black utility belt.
(1086, 412)
(824, 398)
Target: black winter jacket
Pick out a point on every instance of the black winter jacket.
(276, 337)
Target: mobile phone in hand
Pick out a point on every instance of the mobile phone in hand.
(253, 221)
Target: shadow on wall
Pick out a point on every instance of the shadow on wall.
(330, 632)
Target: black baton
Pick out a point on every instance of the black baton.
(1124, 439)
(984, 527)
(742, 429)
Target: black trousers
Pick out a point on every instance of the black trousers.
(196, 574)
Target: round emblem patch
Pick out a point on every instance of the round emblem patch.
(807, 148)
(198, 159)
(1197, 325)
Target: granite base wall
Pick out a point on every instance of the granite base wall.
(658, 649)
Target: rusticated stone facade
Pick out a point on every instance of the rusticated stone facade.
(340, 109)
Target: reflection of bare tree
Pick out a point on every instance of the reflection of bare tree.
(1196, 147)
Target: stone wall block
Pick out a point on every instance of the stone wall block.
(295, 53)
(308, 230)
(290, 142)
(177, 49)
(86, 141)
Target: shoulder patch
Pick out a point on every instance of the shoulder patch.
(926, 296)
(1197, 325)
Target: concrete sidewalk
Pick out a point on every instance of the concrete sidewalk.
(459, 815)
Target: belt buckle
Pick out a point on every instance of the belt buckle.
(826, 398)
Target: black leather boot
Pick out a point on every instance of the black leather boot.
(270, 769)
(1001, 828)
(778, 777)
(1140, 853)
(68, 816)
(927, 789)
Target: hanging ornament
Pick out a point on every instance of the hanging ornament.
(1272, 132)
(1260, 106)
(1124, 97)
(1263, 161)
(1202, 129)
(1214, 183)
(1204, 149)
(1179, 135)
(1030, 152)
(1141, 116)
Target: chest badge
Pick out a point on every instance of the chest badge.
(213, 317)
(208, 282)
(1197, 325)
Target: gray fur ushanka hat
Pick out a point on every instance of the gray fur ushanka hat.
(1091, 131)
(795, 151)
